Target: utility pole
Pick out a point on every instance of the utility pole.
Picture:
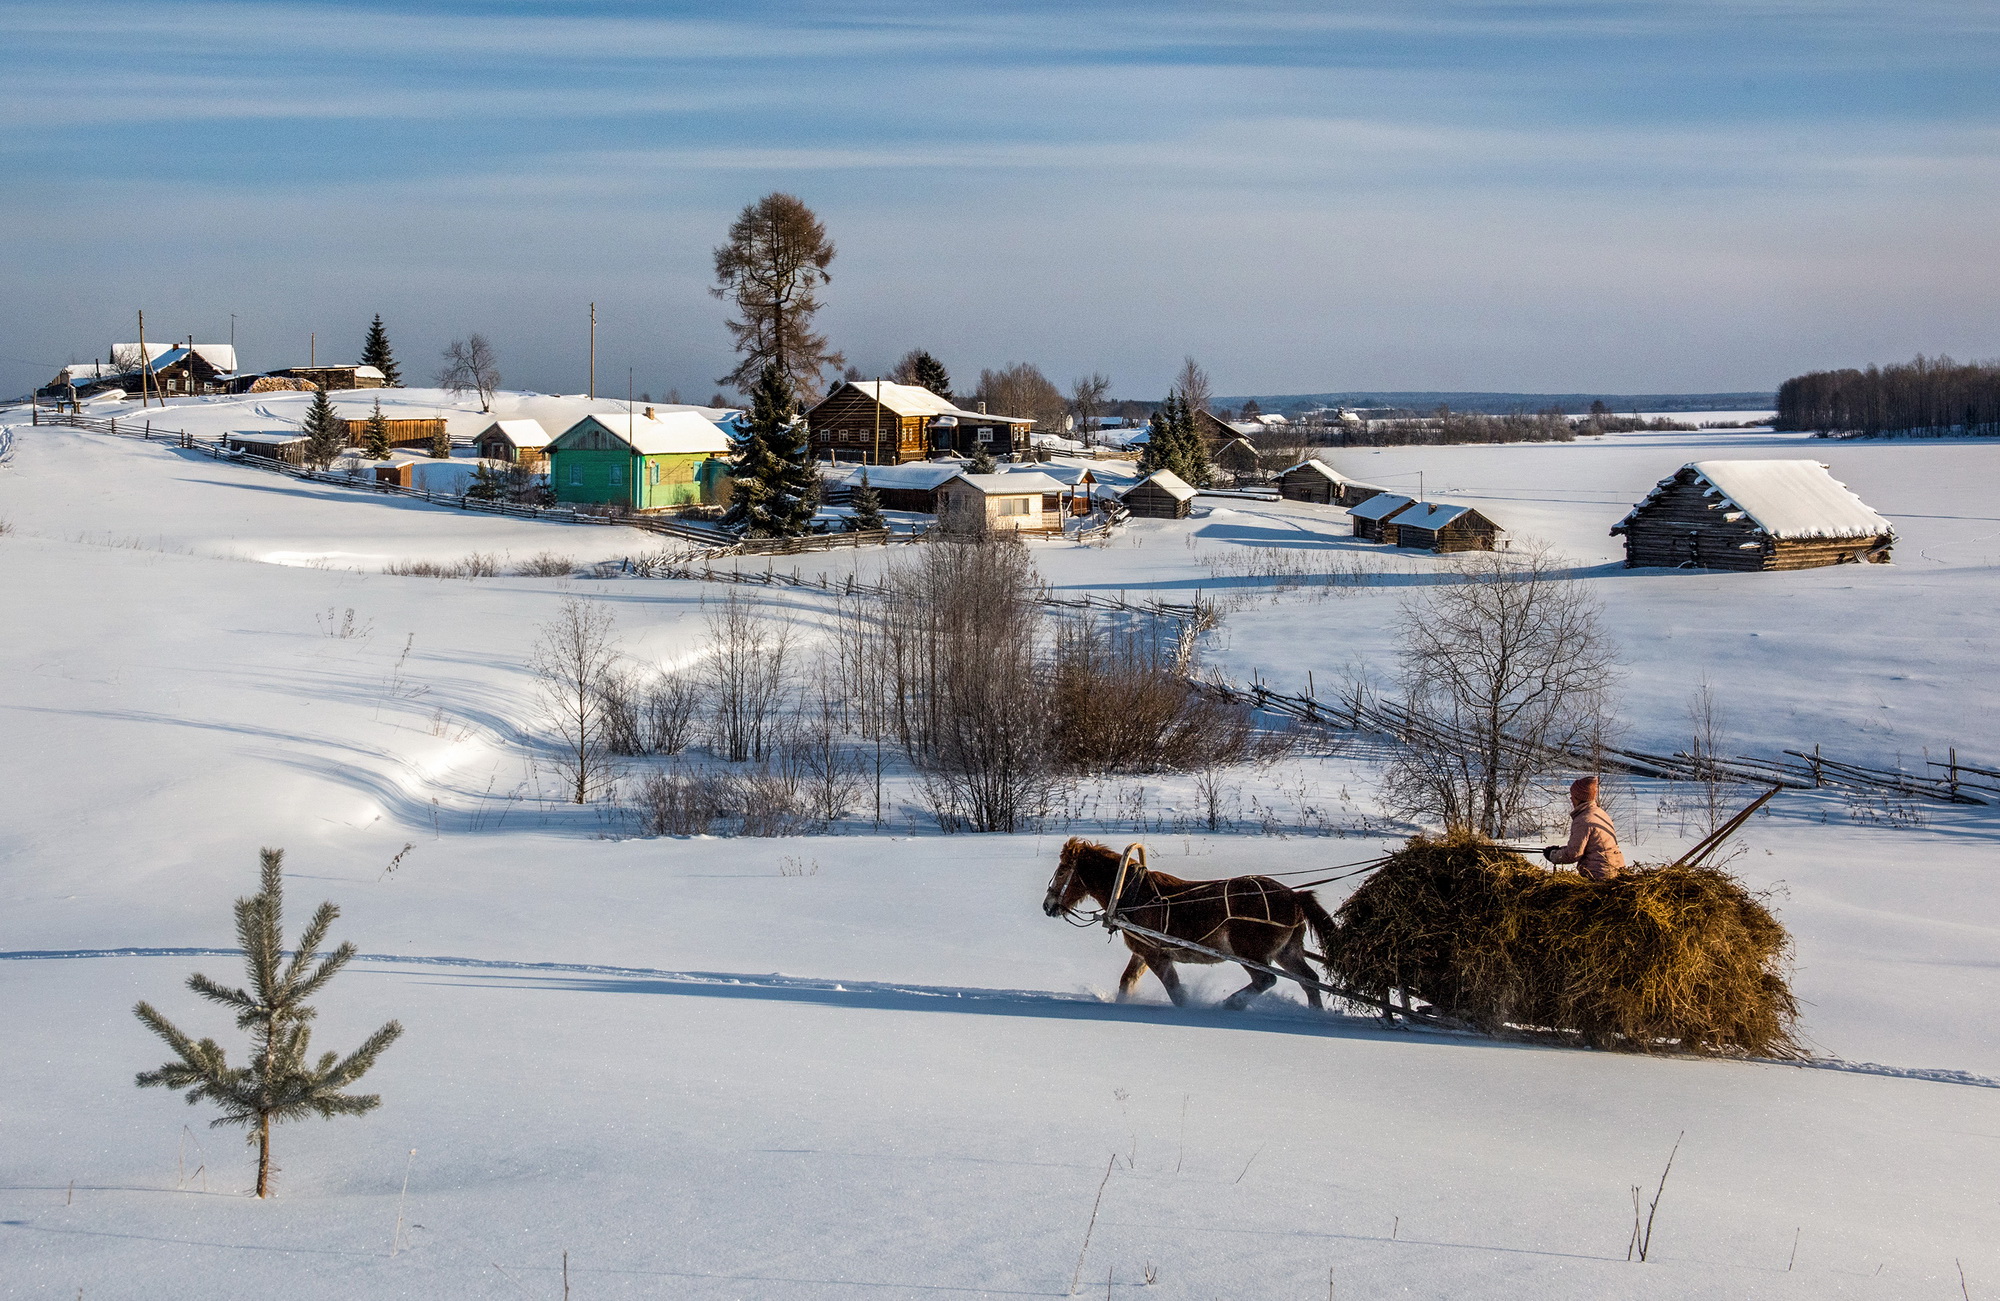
(593, 350)
(145, 367)
(232, 333)
(312, 350)
(878, 420)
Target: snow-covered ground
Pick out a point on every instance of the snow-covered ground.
(866, 1064)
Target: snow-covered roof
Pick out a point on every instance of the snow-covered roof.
(521, 433)
(660, 433)
(1168, 482)
(222, 356)
(1011, 485)
(912, 400)
(1322, 468)
(1428, 515)
(1067, 474)
(369, 372)
(264, 438)
(1381, 506)
(1785, 499)
(917, 476)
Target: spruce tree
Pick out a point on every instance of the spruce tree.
(279, 1082)
(326, 433)
(930, 373)
(1190, 452)
(1158, 452)
(866, 505)
(375, 352)
(441, 444)
(375, 435)
(776, 489)
(982, 461)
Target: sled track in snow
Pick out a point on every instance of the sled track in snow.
(865, 988)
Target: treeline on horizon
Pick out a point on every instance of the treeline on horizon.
(1930, 396)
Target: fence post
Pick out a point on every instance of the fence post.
(1817, 783)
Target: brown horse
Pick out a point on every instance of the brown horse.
(1249, 917)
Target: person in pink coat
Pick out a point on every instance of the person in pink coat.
(1593, 841)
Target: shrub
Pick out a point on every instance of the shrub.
(547, 564)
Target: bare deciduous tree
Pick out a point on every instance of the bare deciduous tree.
(1022, 390)
(1191, 381)
(747, 677)
(1086, 400)
(471, 367)
(772, 269)
(1509, 663)
(576, 658)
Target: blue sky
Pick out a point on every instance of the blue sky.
(1456, 195)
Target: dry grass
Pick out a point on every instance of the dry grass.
(547, 564)
(1662, 958)
(480, 564)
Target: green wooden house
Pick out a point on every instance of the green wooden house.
(650, 461)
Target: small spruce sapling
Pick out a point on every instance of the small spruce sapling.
(326, 433)
(866, 505)
(982, 461)
(280, 1082)
(375, 436)
(441, 444)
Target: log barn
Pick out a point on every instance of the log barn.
(1316, 481)
(402, 433)
(517, 442)
(1238, 459)
(1160, 495)
(898, 487)
(1751, 515)
(874, 422)
(1439, 527)
(1375, 519)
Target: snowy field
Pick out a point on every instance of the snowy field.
(866, 1064)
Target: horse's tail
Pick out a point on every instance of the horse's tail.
(1322, 923)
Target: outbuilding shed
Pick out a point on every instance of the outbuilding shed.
(1749, 515)
(418, 433)
(1160, 495)
(517, 442)
(286, 447)
(1440, 527)
(912, 487)
(1317, 481)
(1374, 519)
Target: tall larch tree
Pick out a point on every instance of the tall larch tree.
(279, 1080)
(375, 352)
(771, 270)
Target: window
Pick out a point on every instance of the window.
(575, 475)
(1013, 505)
(986, 433)
(617, 476)
(653, 472)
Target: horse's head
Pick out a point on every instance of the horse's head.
(1069, 885)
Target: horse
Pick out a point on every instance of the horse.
(1250, 917)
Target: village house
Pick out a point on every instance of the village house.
(176, 369)
(653, 461)
(1316, 481)
(516, 442)
(1440, 527)
(1160, 495)
(1374, 519)
(1751, 515)
(878, 423)
(1023, 502)
(913, 487)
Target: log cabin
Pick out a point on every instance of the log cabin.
(1316, 481)
(1439, 527)
(1753, 515)
(1160, 495)
(1374, 519)
(416, 434)
(911, 487)
(874, 422)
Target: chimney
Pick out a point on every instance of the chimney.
(982, 408)
(649, 413)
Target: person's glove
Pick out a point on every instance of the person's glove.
(1550, 851)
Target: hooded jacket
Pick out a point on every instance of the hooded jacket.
(1593, 841)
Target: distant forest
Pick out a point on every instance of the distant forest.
(1931, 396)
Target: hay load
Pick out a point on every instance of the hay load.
(1660, 959)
